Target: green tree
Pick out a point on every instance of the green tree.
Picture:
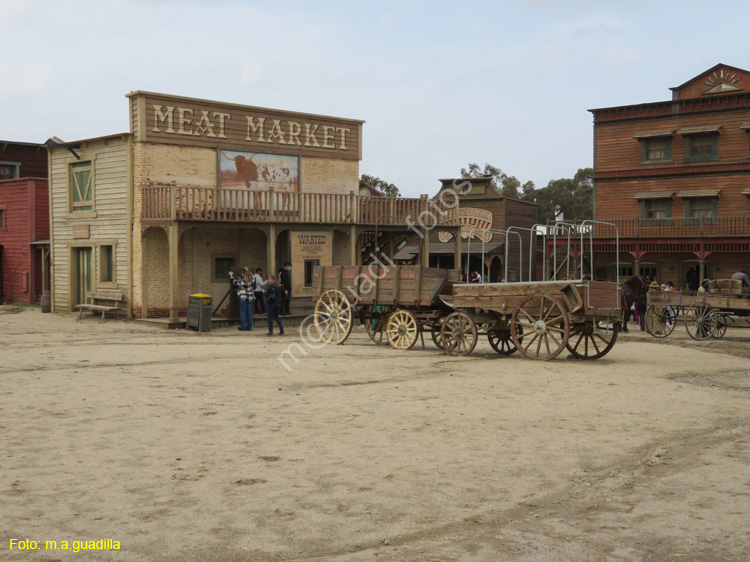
(505, 185)
(575, 196)
(381, 185)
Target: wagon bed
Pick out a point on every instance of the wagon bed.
(582, 298)
(374, 285)
(707, 315)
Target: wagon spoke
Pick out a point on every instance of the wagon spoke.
(551, 336)
(527, 315)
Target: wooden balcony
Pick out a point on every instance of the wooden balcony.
(677, 227)
(181, 203)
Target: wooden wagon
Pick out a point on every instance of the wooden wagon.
(538, 319)
(399, 303)
(706, 315)
(396, 304)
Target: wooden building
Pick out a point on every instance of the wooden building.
(24, 221)
(198, 187)
(674, 177)
(482, 214)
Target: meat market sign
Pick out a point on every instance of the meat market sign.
(187, 121)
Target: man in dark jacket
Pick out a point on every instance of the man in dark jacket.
(286, 288)
(273, 305)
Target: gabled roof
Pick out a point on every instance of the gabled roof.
(720, 79)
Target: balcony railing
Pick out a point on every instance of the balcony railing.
(172, 202)
(679, 227)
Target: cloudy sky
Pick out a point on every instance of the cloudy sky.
(439, 84)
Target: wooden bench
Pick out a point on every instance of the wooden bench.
(101, 301)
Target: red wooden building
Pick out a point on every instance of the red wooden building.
(24, 221)
(674, 176)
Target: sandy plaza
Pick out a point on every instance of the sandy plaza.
(182, 445)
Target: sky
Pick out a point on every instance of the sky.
(440, 84)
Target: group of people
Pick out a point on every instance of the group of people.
(474, 276)
(269, 297)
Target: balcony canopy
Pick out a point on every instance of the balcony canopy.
(654, 195)
(693, 193)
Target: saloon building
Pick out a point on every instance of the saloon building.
(198, 187)
(674, 177)
(494, 231)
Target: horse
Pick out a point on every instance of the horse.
(629, 290)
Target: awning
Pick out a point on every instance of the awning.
(745, 191)
(699, 130)
(654, 134)
(698, 193)
(654, 195)
(745, 126)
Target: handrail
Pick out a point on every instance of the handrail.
(165, 202)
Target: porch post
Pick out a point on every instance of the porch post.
(456, 250)
(271, 251)
(426, 248)
(355, 256)
(174, 245)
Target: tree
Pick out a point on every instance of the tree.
(575, 196)
(381, 185)
(505, 185)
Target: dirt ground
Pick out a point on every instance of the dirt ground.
(204, 447)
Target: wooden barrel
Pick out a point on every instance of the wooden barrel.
(46, 301)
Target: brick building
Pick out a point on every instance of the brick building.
(24, 221)
(198, 187)
(674, 177)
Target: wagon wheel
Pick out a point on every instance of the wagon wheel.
(720, 328)
(660, 321)
(501, 339)
(376, 328)
(435, 332)
(592, 339)
(545, 326)
(700, 321)
(333, 317)
(402, 330)
(458, 334)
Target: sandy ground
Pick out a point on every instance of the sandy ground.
(190, 446)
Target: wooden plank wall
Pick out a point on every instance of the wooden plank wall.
(617, 152)
(15, 197)
(33, 159)
(110, 224)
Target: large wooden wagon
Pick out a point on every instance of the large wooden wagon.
(395, 303)
(706, 315)
(538, 319)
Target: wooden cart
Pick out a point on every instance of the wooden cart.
(396, 304)
(538, 319)
(706, 315)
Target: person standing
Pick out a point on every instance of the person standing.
(260, 307)
(741, 275)
(273, 305)
(243, 283)
(286, 288)
(641, 301)
(692, 279)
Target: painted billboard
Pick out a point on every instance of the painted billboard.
(258, 172)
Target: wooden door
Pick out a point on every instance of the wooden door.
(82, 275)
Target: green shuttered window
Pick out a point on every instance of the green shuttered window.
(82, 186)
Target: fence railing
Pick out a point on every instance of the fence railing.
(678, 227)
(173, 202)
